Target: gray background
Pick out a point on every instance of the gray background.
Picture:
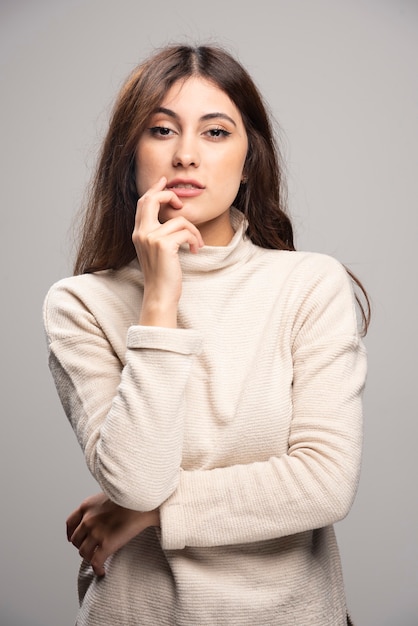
(341, 78)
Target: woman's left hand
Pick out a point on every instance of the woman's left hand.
(99, 527)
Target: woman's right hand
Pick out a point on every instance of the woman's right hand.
(157, 248)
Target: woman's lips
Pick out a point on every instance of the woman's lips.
(185, 188)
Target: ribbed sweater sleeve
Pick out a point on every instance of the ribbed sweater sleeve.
(314, 483)
(131, 436)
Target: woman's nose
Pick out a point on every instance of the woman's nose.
(186, 153)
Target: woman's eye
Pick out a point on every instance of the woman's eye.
(218, 132)
(160, 131)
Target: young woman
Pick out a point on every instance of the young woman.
(212, 374)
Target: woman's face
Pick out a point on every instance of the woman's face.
(197, 140)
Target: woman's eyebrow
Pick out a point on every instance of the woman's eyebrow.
(217, 115)
(207, 116)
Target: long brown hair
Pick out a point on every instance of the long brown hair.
(106, 230)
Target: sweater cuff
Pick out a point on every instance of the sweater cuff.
(172, 522)
(180, 340)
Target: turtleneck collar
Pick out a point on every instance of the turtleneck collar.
(215, 258)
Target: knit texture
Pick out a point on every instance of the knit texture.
(243, 425)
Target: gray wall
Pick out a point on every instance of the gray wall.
(341, 78)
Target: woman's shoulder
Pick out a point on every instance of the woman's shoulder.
(115, 280)
(102, 290)
(307, 276)
(305, 263)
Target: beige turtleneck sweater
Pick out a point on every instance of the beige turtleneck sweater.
(243, 425)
